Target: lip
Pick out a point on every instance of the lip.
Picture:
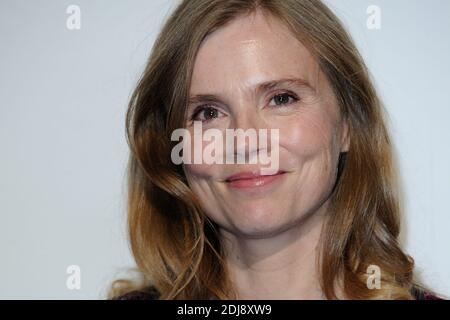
(245, 180)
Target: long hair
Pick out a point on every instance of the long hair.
(176, 247)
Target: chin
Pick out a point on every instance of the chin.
(258, 231)
(259, 225)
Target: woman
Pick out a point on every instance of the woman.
(325, 224)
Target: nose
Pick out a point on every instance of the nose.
(246, 127)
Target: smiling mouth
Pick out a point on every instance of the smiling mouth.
(251, 180)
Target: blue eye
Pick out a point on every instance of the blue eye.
(283, 99)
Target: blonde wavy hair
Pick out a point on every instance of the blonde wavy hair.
(176, 247)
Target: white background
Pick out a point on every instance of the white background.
(63, 97)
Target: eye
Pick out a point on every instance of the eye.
(283, 99)
(205, 113)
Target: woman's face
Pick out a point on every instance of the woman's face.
(231, 65)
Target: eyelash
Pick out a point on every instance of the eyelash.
(204, 107)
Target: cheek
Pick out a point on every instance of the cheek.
(199, 178)
(309, 143)
(199, 171)
(196, 168)
(307, 135)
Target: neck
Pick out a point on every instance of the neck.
(279, 266)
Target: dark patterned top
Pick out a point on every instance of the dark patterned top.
(152, 294)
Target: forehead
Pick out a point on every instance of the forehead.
(249, 50)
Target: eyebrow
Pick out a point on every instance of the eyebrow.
(264, 86)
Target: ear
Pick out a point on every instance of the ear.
(345, 136)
